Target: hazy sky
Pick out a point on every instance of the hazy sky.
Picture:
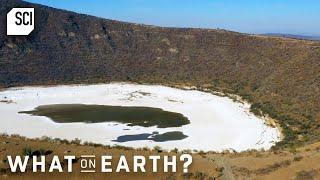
(251, 16)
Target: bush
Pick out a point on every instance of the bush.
(76, 141)
(3, 170)
(297, 158)
(27, 151)
(303, 175)
(42, 151)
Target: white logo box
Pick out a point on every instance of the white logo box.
(20, 21)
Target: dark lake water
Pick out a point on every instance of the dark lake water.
(132, 116)
(168, 136)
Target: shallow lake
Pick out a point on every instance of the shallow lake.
(134, 115)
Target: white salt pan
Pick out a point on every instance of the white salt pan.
(217, 123)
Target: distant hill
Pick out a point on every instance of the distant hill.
(315, 38)
(278, 75)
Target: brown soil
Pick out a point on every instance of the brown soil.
(302, 163)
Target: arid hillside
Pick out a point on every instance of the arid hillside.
(279, 76)
(301, 164)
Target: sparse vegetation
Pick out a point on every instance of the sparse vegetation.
(27, 151)
(211, 165)
(305, 175)
(273, 167)
(297, 158)
(76, 141)
(3, 170)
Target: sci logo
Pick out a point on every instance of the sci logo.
(20, 21)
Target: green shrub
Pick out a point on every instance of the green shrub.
(42, 151)
(27, 151)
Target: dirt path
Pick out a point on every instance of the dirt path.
(223, 162)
